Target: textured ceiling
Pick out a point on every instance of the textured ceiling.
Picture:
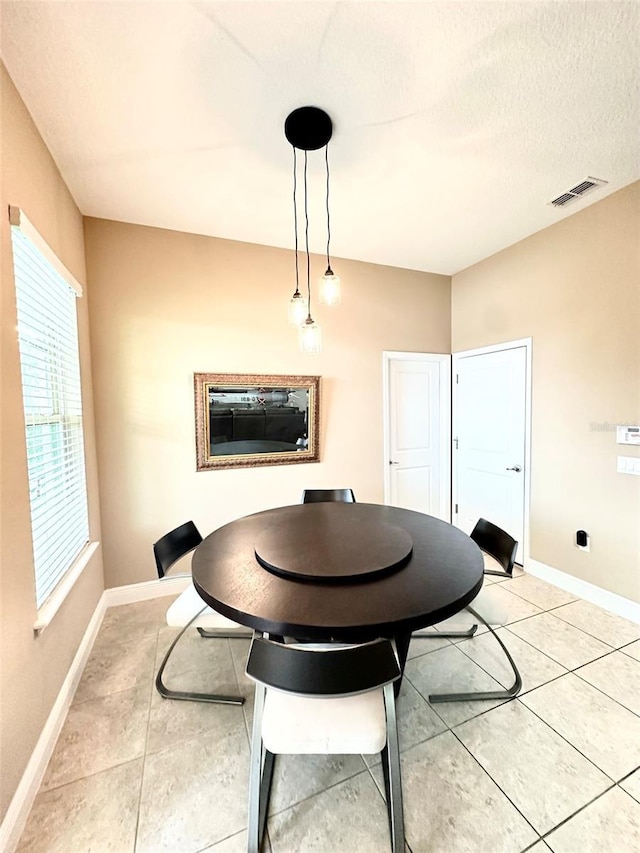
(454, 123)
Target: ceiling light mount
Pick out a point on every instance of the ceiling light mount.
(308, 128)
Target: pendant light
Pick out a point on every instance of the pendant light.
(307, 129)
(298, 309)
(310, 337)
(330, 282)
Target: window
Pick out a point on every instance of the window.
(50, 363)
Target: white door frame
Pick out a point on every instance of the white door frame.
(528, 344)
(445, 420)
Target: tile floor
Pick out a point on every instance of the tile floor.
(556, 769)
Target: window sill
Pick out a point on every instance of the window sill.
(57, 597)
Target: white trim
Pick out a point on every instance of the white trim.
(18, 219)
(20, 806)
(52, 604)
(445, 435)
(22, 801)
(610, 601)
(521, 342)
(527, 343)
(445, 420)
(147, 590)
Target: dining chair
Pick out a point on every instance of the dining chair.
(497, 547)
(323, 699)
(311, 496)
(190, 610)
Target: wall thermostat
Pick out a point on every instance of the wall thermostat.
(628, 435)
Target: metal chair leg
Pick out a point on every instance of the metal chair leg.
(498, 573)
(509, 693)
(224, 634)
(393, 779)
(260, 775)
(188, 696)
(468, 633)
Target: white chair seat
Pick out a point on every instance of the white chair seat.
(345, 725)
(185, 607)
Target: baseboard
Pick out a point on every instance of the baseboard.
(610, 601)
(20, 806)
(145, 591)
(22, 801)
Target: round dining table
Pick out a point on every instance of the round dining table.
(346, 572)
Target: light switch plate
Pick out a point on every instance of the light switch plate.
(629, 465)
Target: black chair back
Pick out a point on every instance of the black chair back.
(496, 543)
(174, 545)
(329, 671)
(311, 496)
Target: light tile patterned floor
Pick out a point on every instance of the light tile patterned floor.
(556, 769)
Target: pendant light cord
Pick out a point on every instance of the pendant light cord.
(306, 238)
(295, 219)
(326, 160)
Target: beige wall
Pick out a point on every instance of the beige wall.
(165, 305)
(575, 289)
(33, 668)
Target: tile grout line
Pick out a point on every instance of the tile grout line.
(588, 633)
(555, 607)
(613, 784)
(556, 678)
(609, 651)
(624, 778)
(361, 772)
(599, 689)
(544, 609)
(146, 741)
(618, 785)
(572, 745)
(86, 776)
(551, 610)
(531, 846)
(504, 793)
(581, 809)
(553, 660)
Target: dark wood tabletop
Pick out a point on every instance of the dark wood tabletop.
(441, 573)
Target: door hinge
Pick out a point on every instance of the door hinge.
(456, 509)
(456, 441)
(457, 378)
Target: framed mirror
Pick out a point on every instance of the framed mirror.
(247, 420)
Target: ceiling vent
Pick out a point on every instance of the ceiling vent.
(578, 191)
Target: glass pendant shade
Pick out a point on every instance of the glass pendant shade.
(330, 288)
(310, 337)
(298, 309)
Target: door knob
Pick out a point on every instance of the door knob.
(515, 468)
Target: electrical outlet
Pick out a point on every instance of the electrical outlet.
(583, 540)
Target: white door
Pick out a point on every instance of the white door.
(489, 440)
(417, 432)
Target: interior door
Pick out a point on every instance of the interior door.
(489, 440)
(418, 419)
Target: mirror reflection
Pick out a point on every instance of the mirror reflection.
(252, 420)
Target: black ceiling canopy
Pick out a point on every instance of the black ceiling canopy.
(308, 128)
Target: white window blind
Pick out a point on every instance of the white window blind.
(50, 364)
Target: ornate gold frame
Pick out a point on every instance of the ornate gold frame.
(205, 461)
